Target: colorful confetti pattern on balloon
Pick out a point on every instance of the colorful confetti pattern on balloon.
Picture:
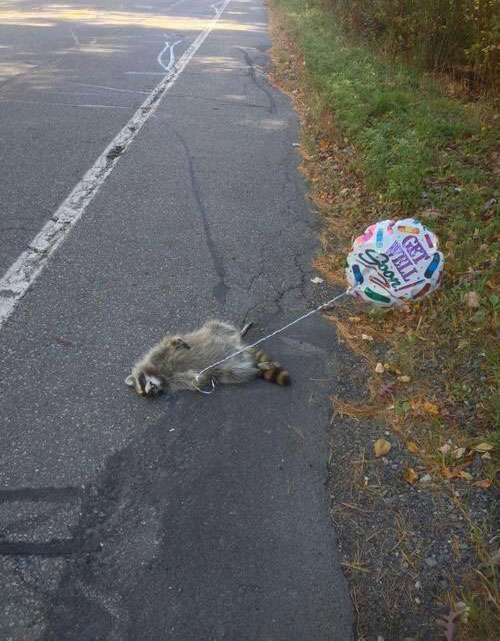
(394, 263)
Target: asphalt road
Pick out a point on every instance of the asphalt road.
(192, 517)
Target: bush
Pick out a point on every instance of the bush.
(457, 36)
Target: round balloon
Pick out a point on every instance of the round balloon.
(394, 263)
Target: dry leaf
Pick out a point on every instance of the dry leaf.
(445, 448)
(495, 558)
(449, 624)
(385, 389)
(324, 144)
(354, 319)
(459, 452)
(472, 299)
(483, 483)
(404, 379)
(451, 473)
(466, 476)
(379, 368)
(482, 447)
(366, 337)
(486, 455)
(412, 447)
(431, 408)
(381, 447)
(317, 280)
(410, 475)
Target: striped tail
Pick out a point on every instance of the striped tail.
(269, 370)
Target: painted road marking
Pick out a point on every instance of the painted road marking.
(28, 266)
(171, 62)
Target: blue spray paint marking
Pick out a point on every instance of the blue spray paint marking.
(380, 237)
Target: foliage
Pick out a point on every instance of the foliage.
(455, 35)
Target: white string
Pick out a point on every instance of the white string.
(265, 338)
(205, 391)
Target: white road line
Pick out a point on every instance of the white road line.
(28, 266)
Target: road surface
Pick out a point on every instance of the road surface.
(192, 517)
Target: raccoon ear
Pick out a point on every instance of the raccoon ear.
(178, 343)
(129, 380)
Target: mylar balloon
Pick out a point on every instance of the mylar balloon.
(393, 263)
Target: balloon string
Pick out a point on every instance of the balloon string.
(277, 331)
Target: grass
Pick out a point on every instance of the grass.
(384, 140)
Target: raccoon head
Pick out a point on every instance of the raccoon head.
(146, 378)
(146, 383)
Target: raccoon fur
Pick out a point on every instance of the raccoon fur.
(174, 363)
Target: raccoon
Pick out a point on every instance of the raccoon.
(174, 363)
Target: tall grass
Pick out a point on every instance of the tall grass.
(459, 36)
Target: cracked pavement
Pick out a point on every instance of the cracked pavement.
(190, 517)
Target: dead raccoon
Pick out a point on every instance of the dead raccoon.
(174, 363)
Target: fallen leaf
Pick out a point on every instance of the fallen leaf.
(451, 473)
(445, 448)
(381, 447)
(431, 408)
(464, 610)
(410, 475)
(412, 447)
(366, 337)
(495, 558)
(466, 476)
(459, 452)
(449, 624)
(354, 319)
(482, 447)
(486, 455)
(317, 280)
(472, 300)
(379, 368)
(404, 379)
(483, 483)
(385, 389)
(324, 144)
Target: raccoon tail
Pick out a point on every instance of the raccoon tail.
(269, 370)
